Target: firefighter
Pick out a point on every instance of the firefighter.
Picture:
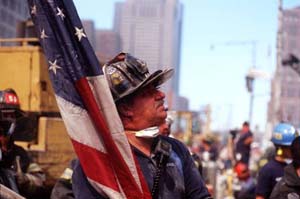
(208, 147)
(289, 185)
(282, 137)
(165, 162)
(63, 187)
(208, 155)
(17, 171)
(245, 185)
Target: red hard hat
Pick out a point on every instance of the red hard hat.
(9, 99)
(9, 105)
(242, 171)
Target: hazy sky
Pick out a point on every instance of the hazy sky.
(213, 72)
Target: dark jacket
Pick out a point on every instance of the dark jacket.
(243, 149)
(289, 186)
(8, 166)
(246, 189)
(180, 178)
(9, 158)
(268, 176)
(32, 184)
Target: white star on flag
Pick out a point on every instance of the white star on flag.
(33, 10)
(79, 33)
(43, 34)
(60, 13)
(54, 66)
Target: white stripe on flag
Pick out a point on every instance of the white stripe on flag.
(79, 125)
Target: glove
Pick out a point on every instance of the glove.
(22, 179)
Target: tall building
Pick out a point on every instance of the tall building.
(151, 30)
(108, 44)
(285, 92)
(182, 103)
(89, 28)
(11, 13)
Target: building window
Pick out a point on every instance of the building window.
(291, 92)
(293, 30)
(292, 45)
(147, 11)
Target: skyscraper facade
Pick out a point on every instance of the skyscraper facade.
(11, 13)
(108, 44)
(285, 94)
(151, 30)
(90, 31)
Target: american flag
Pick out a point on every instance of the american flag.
(85, 102)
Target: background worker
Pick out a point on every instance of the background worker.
(282, 137)
(245, 185)
(63, 186)
(165, 128)
(208, 146)
(17, 171)
(243, 144)
(289, 185)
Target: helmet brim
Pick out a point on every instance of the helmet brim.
(11, 114)
(157, 78)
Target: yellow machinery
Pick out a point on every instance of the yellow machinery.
(186, 125)
(24, 68)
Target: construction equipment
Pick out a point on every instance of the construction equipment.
(24, 68)
(186, 125)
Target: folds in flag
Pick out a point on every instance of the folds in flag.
(85, 101)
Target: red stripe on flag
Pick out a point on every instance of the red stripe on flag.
(126, 179)
(96, 164)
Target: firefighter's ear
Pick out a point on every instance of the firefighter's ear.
(125, 110)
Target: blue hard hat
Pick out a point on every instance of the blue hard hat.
(284, 134)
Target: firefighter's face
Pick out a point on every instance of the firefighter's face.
(6, 129)
(148, 105)
(7, 121)
(245, 128)
(4, 126)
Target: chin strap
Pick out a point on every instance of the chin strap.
(162, 152)
(11, 129)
